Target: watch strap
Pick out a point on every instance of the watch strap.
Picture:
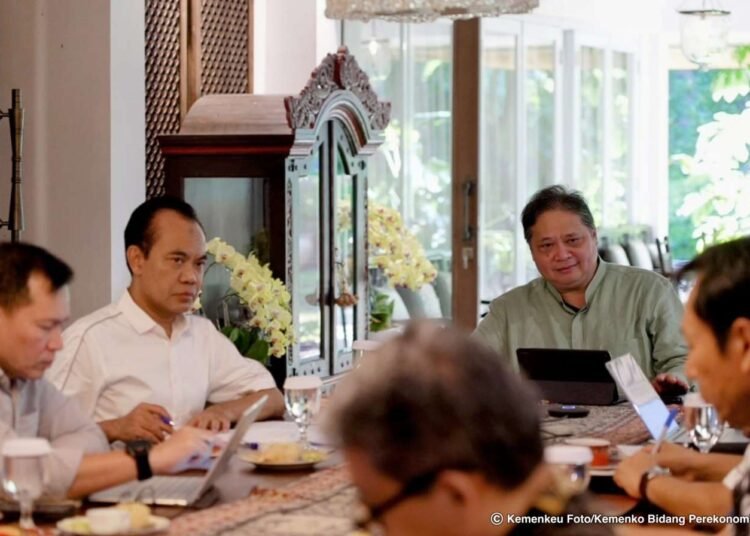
(647, 477)
(139, 451)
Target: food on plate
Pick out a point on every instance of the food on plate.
(283, 453)
(140, 514)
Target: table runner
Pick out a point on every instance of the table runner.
(619, 424)
(321, 503)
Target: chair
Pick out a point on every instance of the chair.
(653, 251)
(638, 254)
(665, 257)
(614, 253)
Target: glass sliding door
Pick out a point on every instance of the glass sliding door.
(498, 210)
(591, 131)
(411, 66)
(620, 144)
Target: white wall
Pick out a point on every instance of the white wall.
(291, 37)
(79, 64)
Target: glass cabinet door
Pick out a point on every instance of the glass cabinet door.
(233, 209)
(347, 230)
(306, 269)
(328, 256)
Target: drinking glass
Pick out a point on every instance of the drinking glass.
(23, 473)
(702, 421)
(570, 467)
(360, 349)
(302, 399)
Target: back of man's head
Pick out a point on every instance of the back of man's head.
(555, 197)
(434, 399)
(18, 261)
(723, 293)
(140, 231)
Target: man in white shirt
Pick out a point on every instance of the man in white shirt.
(143, 365)
(34, 303)
(717, 329)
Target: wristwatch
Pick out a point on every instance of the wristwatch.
(647, 477)
(139, 451)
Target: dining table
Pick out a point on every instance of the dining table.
(322, 500)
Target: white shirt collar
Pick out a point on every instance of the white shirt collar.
(140, 319)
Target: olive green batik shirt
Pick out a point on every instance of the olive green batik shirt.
(628, 310)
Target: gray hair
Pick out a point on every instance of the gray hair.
(435, 399)
(551, 198)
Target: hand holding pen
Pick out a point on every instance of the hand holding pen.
(662, 436)
(146, 421)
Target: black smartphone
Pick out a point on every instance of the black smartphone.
(571, 411)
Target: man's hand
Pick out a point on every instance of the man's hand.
(669, 385)
(145, 421)
(679, 460)
(630, 470)
(186, 448)
(213, 418)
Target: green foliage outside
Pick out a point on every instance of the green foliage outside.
(709, 172)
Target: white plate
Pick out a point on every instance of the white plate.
(158, 524)
(248, 456)
(607, 470)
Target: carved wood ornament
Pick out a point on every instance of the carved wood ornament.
(337, 72)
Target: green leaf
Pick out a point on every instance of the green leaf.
(227, 332)
(259, 351)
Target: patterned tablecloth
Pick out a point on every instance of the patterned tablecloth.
(619, 424)
(323, 503)
(319, 504)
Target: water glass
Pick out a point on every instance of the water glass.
(23, 473)
(702, 421)
(302, 399)
(570, 467)
(360, 349)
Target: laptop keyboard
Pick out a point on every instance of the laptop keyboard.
(155, 490)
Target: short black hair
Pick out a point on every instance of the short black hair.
(551, 198)
(17, 262)
(139, 231)
(723, 293)
(434, 399)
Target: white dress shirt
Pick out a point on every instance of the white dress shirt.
(118, 356)
(733, 477)
(34, 408)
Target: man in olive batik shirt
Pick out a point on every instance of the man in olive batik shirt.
(582, 302)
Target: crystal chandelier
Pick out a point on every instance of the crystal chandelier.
(704, 30)
(424, 10)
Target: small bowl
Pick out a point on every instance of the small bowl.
(599, 448)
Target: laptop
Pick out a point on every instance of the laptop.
(570, 376)
(182, 490)
(645, 400)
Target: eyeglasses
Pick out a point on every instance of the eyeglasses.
(371, 515)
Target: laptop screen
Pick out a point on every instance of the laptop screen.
(646, 402)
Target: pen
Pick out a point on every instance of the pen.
(167, 420)
(663, 434)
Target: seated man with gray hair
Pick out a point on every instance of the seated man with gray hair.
(581, 302)
(442, 438)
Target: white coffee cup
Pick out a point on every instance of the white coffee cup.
(108, 520)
